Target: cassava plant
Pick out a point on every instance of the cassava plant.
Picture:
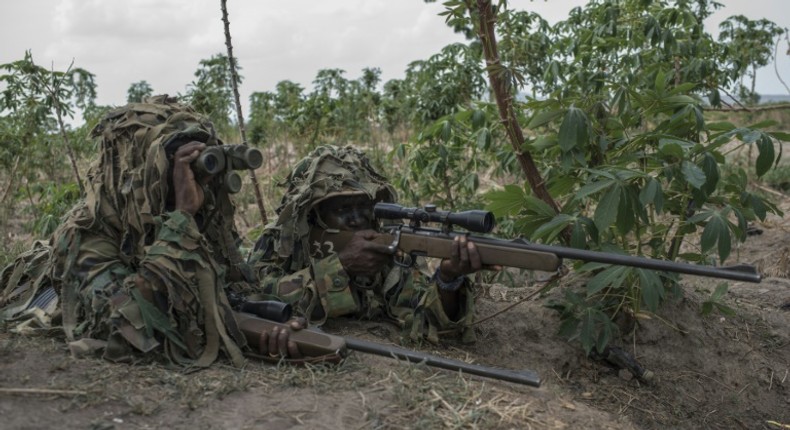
(623, 144)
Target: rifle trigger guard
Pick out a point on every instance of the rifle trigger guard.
(393, 247)
(406, 261)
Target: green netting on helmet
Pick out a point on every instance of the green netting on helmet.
(328, 171)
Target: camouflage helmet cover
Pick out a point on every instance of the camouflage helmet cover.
(328, 171)
(130, 183)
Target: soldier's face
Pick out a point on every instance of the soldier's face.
(347, 213)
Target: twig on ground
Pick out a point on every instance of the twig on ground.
(44, 391)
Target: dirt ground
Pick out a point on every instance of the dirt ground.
(710, 372)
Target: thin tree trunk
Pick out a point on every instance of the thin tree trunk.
(11, 180)
(776, 68)
(504, 101)
(234, 84)
(65, 137)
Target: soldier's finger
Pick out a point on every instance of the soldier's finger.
(298, 323)
(273, 336)
(379, 248)
(368, 234)
(293, 350)
(464, 251)
(474, 256)
(189, 152)
(282, 342)
(455, 253)
(263, 346)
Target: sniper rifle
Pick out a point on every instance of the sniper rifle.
(415, 240)
(255, 318)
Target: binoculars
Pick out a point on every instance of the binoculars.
(223, 161)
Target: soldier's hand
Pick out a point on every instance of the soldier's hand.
(465, 259)
(277, 343)
(363, 256)
(188, 192)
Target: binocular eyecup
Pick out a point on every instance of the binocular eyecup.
(215, 160)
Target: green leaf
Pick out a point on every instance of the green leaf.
(578, 235)
(764, 124)
(648, 193)
(544, 142)
(605, 333)
(626, 216)
(652, 288)
(562, 185)
(573, 130)
(447, 131)
(594, 187)
(750, 136)
(725, 245)
(780, 135)
(661, 81)
(670, 149)
(693, 174)
(551, 229)
(711, 169)
(483, 138)
(726, 310)
(712, 232)
(766, 158)
(679, 100)
(508, 201)
(683, 88)
(610, 277)
(719, 292)
(720, 126)
(478, 119)
(544, 117)
(606, 212)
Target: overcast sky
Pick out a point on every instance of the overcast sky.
(162, 41)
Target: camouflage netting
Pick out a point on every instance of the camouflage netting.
(318, 286)
(124, 232)
(326, 172)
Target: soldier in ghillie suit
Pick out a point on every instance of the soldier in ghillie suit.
(336, 188)
(143, 264)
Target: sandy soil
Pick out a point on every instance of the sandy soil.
(711, 372)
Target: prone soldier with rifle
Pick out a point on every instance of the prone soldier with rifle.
(332, 253)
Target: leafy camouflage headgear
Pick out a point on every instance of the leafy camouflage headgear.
(328, 171)
(130, 184)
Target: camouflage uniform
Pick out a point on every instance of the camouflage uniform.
(126, 231)
(317, 285)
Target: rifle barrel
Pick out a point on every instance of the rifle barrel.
(741, 272)
(526, 377)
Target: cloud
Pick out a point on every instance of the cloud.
(162, 41)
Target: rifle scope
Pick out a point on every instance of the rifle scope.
(475, 220)
(215, 160)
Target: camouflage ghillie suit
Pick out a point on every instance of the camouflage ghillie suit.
(317, 285)
(127, 233)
